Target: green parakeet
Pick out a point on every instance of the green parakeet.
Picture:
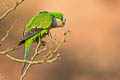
(38, 27)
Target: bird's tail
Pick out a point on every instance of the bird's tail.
(28, 44)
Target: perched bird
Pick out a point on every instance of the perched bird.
(38, 27)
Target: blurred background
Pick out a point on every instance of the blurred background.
(92, 50)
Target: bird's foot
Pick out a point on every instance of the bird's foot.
(43, 43)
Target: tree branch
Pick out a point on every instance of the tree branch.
(6, 35)
(11, 9)
(48, 57)
(19, 60)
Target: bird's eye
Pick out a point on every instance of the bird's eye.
(62, 19)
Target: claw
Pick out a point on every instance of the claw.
(43, 43)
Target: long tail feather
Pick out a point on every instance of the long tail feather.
(28, 44)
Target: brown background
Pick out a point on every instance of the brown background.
(92, 50)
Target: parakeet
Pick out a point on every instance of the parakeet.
(38, 27)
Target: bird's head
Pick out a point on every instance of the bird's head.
(59, 19)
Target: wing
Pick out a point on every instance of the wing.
(42, 20)
(34, 34)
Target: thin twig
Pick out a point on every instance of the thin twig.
(11, 9)
(4, 53)
(6, 35)
(51, 53)
(19, 60)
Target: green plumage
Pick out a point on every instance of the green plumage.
(42, 20)
(38, 26)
